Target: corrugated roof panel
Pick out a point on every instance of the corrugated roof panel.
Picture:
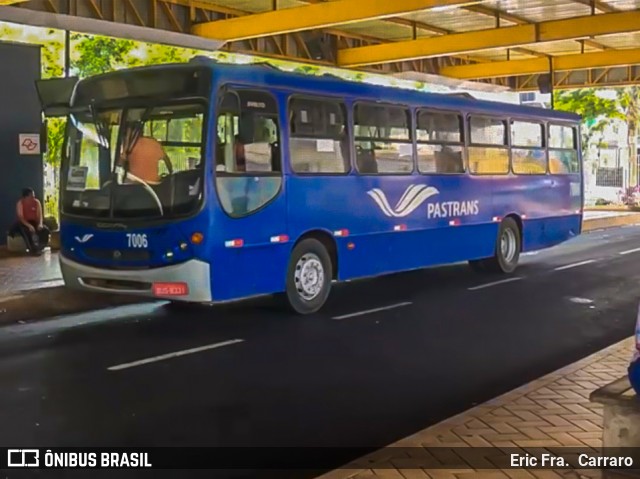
(623, 4)
(246, 5)
(380, 29)
(541, 10)
(563, 47)
(625, 40)
(456, 20)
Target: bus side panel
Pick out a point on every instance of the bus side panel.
(549, 203)
(245, 260)
(387, 234)
(567, 223)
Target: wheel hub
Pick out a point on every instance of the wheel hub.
(309, 276)
(508, 245)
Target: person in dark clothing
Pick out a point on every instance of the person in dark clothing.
(30, 222)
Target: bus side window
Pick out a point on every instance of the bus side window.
(319, 141)
(528, 156)
(382, 138)
(248, 163)
(439, 136)
(488, 150)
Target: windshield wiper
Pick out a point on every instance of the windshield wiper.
(102, 129)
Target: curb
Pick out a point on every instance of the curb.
(610, 222)
(37, 304)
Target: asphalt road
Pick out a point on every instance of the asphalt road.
(256, 376)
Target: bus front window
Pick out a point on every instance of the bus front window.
(135, 161)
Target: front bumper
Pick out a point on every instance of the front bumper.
(195, 273)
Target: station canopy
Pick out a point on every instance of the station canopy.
(519, 44)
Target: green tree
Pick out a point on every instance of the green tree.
(597, 113)
(629, 102)
(93, 54)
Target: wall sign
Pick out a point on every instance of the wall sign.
(29, 143)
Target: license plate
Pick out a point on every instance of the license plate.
(170, 289)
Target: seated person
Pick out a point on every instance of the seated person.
(30, 223)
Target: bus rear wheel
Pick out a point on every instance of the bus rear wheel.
(308, 277)
(507, 251)
(508, 245)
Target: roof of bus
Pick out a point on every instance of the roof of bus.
(331, 85)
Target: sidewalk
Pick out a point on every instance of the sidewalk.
(593, 215)
(24, 273)
(594, 220)
(31, 288)
(553, 411)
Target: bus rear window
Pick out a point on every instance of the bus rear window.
(563, 154)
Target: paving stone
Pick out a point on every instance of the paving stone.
(552, 411)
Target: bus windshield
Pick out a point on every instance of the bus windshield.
(136, 161)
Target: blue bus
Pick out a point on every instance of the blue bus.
(206, 182)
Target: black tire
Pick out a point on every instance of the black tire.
(305, 299)
(505, 259)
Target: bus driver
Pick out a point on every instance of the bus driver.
(143, 158)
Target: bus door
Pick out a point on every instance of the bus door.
(250, 222)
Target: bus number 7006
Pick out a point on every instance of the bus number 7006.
(137, 240)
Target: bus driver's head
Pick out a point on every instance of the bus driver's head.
(143, 155)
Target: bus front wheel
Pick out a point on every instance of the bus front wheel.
(308, 277)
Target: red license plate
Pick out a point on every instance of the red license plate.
(170, 289)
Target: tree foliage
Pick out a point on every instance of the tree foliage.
(629, 101)
(597, 112)
(93, 54)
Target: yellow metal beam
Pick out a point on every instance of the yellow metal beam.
(320, 15)
(11, 2)
(459, 43)
(606, 59)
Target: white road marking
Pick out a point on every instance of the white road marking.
(574, 265)
(530, 253)
(629, 251)
(375, 310)
(495, 283)
(176, 354)
(581, 300)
